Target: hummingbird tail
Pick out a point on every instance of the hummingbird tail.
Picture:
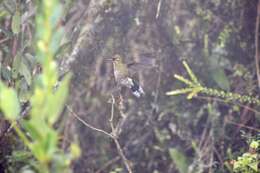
(137, 89)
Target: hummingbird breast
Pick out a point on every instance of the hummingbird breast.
(120, 71)
(121, 76)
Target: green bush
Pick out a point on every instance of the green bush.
(47, 101)
(249, 161)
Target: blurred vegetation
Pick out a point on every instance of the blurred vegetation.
(215, 131)
(194, 88)
(36, 127)
(249, 161)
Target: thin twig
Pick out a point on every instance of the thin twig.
(4, 40)
(118, 146)
(87, 124)
(112, 109)
(158, 9)
(110, 162)
(211, 160)
(157, 91)
(122, 155)
(112, 117)
(231, 122)
(242, 125)
(257, 43)
(225, 102)
(113, 135)
(219, 157)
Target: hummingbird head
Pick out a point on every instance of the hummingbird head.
(116, 58)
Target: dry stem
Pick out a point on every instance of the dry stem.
(257, 43)
(119, 148)
(112, 135)
(87, 124)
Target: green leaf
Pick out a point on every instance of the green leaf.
(33, 128)
(16, 64)
(220, 78)
(190, 73)
(75, 150)
(254, 166)
(179, 91)
(25, 72)
(6, 73)
(3, 14)
(186, 81)
(56, 102)
(16, 22)
(194, 92)
(37, 149)
(20, 65)
(31, 60)
(20, 155)
(50, 142)
(254, 144)
(9, 103)
(179, 159)
(24, 92)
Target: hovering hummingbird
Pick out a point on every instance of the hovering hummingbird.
(122, 76)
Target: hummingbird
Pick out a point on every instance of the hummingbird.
(122, 76)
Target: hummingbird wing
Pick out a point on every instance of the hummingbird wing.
(135, 67)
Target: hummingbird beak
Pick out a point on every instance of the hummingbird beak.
(108, 59)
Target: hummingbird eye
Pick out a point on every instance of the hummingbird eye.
(116, 58)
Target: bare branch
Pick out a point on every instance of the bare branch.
(158, 9)
(119, 148)
(87, 124)
(257, 44)
(113, 135)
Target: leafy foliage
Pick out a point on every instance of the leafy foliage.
(9, 103)
(47, 101)
(194, 87)
(179, 159)
(249, 161)
(215, 38)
